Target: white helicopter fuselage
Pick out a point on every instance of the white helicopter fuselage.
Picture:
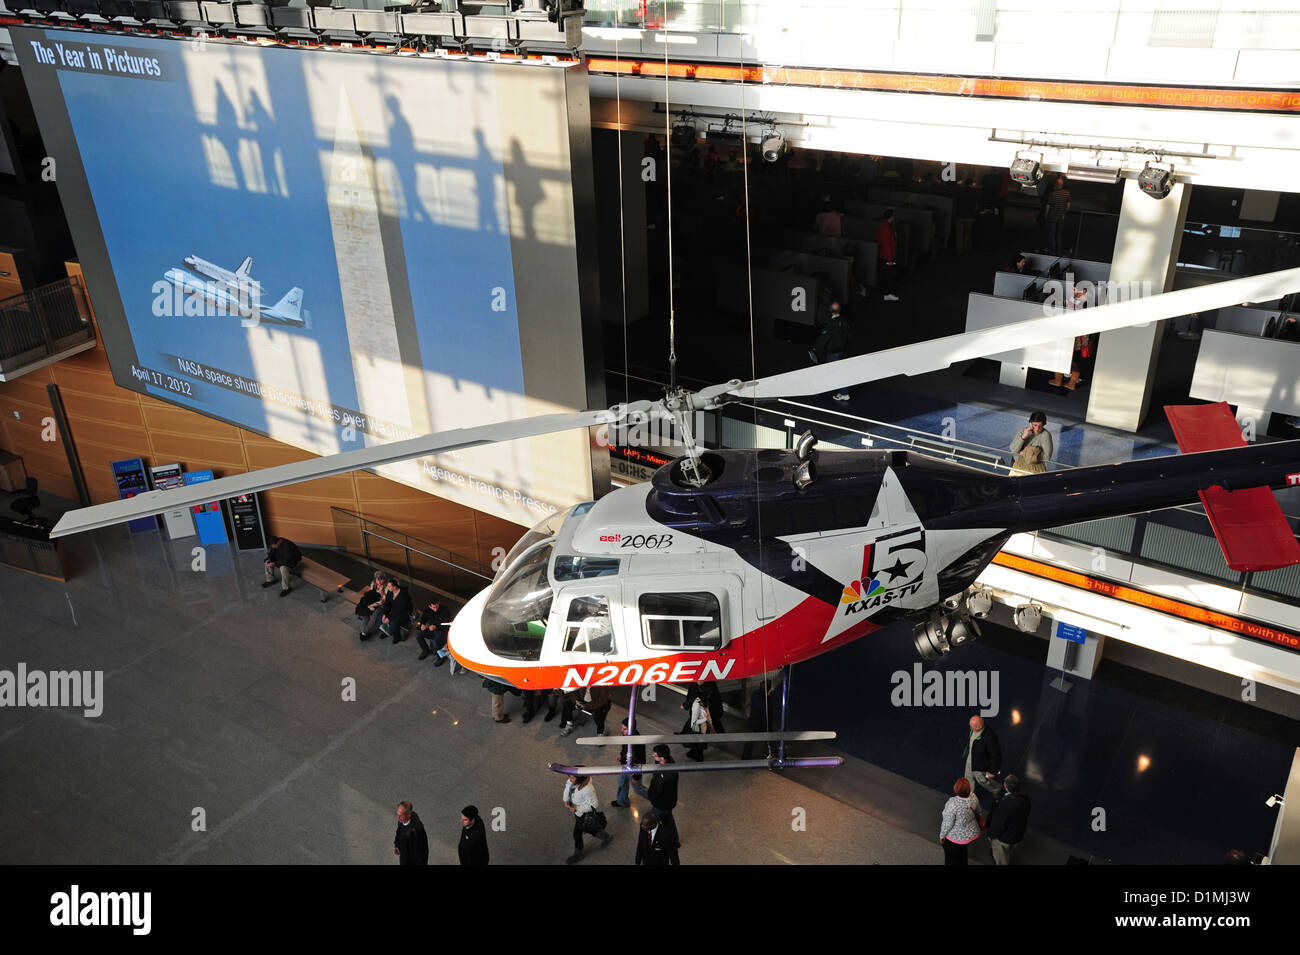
(627, 599)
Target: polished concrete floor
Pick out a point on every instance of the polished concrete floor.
(221, 697)
(224, 702)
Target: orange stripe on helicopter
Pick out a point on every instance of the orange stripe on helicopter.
(791, 638)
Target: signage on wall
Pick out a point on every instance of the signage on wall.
(132, 480)
(177, 521)
(207, 517)
(246, 519)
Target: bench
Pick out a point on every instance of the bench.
(322, 578)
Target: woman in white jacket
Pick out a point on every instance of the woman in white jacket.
(580, 799)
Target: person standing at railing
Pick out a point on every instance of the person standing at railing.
(1036, 434)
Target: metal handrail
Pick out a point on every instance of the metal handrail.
(32, 322)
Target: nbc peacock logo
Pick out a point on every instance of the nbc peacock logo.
(853, 592)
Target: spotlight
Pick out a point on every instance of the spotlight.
(942, 633)
(684, 135)
(1156, 181)
(1274, 801)
(952, 603)
(980, 603)
(773, 146)
(1026, 170)
(804, 475)
(1028, 617)
(804, 447)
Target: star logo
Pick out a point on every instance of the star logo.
(899, 569)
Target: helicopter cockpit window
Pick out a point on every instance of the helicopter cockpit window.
(682, 621)
(546, 527)
(569, 567)
(514, 617)
(588, 629)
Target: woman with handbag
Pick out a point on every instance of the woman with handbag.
(581, 800)
(960, 826)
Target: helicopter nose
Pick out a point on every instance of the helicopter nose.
(465, 636)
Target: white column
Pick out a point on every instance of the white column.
(1146, 251)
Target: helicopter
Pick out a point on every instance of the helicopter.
(734, 563)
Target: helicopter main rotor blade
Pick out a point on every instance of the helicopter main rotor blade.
(155, 502)
(939, 353)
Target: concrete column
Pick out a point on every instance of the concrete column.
(1146, 251)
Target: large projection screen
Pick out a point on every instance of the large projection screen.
(330, 248)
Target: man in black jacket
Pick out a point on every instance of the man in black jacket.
(633, 755)
(431, 636)
(983, 760)
(473, 838)
(284, 556)
(411, 844)
(397, 616)
(657, 843)
(1007, 821)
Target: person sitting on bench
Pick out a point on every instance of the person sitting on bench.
(284, 554)
(379, 609)
(398, 617)
(431, 635)
(373, 596)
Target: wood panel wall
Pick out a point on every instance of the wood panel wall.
(109, 423)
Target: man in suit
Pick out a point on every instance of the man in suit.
(411, 844)
(983, 760)
(283, 556)
(656, 843)
(1008, 820)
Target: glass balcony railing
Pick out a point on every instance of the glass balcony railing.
(1220, 25)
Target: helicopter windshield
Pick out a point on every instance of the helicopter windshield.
(514, 617)
(547, 527)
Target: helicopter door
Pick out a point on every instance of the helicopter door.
(586, 627)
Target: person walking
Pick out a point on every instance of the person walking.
(411, 844)
(632, 754)
(473, 848)
(1008, 820)
(959, 826)
(1054, 210)
(581, 800)
(656, 842)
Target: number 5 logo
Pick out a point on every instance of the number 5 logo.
(899, 559)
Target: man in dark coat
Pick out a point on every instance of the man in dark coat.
(398, 615)
(633, 755)
(983, 761)
(1008, 820)
(473, 838)
(657, 843)
(411, 844)
(432, 635)
(283, 556)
